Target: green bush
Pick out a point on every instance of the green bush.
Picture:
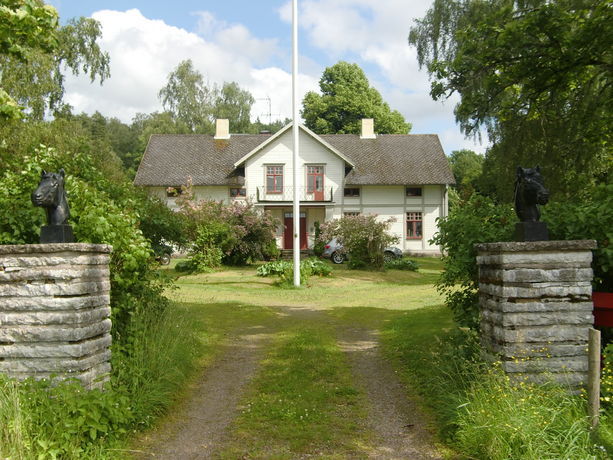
(241, 232)
(589, 217)
(363, 237)
(477, 220)
(479, 410)
(402, 263)
(101, 212)
(44, 419)
(285, 270)
(319, 246)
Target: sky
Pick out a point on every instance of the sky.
(249, 42)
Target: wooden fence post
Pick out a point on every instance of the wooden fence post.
(593, 382)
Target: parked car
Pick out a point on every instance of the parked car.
(334, 251)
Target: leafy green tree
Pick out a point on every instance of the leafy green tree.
(25, 25)
(234, 103)
(467, 167)
(347, 97)
(37, 51)
(191, 101)
(188, 98)
(535, 74)
(362, 237)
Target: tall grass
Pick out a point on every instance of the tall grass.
(478, 409)
(13, 422)
(44, 419)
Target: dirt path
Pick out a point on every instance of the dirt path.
(397, 422)
(200, 427)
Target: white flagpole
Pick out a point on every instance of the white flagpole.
(295, 132)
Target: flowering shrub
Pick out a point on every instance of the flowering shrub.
(235, 233)
(363, 237)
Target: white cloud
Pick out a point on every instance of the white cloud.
(144, 51)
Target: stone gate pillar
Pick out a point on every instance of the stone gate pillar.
(55, 311)
(536, 307)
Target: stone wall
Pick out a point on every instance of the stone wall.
(536, 307)
(54, 311)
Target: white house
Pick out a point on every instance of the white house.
(404, 176)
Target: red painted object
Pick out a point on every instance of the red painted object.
(603, 308)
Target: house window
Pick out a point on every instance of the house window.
(351, 192)
(351, 213)
(274, 179)
(315, 179)
(238, 192)
(173, 192)
(414, 225)
(413, 191)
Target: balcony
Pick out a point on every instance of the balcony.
(287, 195)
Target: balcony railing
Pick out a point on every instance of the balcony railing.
(287, 194)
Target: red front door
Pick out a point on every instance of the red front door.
(315, 182)
(288, 235)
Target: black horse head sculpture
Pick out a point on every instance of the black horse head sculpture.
(50, 195)
(529, 193)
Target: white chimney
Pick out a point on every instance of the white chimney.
(368, 129)
(222, 128)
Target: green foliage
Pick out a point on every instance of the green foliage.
(274, 268)
(240, 232)
(467, 167)
(25, 26)
(536, 75)
(401, 263)
(606, 380)
(33, 77)
(285, 270)
(363, 237)
(193, 102)
(476, 220)
(587, 217)
(479, 410)
(159, 224)
(319, 246)
(101, 212)
(347, 97)
(41, 419)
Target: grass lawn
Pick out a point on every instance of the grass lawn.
(303, 399)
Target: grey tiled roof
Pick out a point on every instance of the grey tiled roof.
(392, 159)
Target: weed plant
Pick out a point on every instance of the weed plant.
(401, 263)
(478, 409)
(285, 270)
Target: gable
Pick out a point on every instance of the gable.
(305, 135)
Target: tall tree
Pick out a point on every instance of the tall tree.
(347, 97)
(188, 98)
(35, 50)
(191, 101)
(535, 74)
(467, 167)
(234, 103)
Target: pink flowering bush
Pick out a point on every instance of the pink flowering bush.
(363, 238)
(234, 234)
